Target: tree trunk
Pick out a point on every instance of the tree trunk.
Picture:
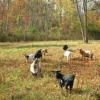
(80, 18)
(83, 24)
(85, 29)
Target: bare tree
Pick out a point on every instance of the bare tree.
(85, 26)
(80, 18)
(83, 15)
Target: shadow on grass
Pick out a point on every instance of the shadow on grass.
(75, 91)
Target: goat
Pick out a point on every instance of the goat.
(32, 56)
(35, 67)
(65, 80)
(86, 53)
(67, 54)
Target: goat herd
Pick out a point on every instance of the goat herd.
(64, 80)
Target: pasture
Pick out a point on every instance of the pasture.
(17, 83)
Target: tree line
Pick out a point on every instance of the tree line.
(26, 20)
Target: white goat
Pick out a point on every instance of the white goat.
(67, 54)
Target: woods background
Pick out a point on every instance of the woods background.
(27, 20)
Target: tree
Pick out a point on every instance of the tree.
(85, 14)
(82, 13)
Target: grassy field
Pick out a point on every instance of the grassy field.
(17, 83)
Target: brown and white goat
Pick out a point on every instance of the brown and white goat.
(86, 54)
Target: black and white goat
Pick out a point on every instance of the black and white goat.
(33, 56)
(38, 54)
(35, 67)
(67, 52)
(65, 80)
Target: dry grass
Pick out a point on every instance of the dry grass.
(17, 83)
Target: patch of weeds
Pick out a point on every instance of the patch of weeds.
(96, 92)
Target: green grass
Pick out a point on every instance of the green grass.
(17, 83)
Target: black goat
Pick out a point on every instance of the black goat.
(65, 80)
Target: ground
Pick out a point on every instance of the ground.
(17, 83)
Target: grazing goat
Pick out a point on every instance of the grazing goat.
(31, 57)
(65, 80)
(86, 53)
(35, 67)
